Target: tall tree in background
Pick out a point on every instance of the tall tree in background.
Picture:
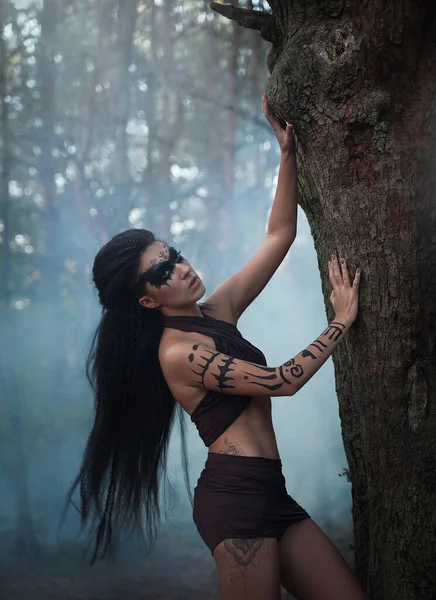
(47, 48)
(16, 464)
(230, 140)
(114, 113)
(358, 81)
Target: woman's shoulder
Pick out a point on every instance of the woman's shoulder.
(172, 337)
(212, 310)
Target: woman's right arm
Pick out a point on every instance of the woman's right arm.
(197, 365)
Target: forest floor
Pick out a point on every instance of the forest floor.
(193, 578)
(102, 584)
(177, 579)
(180, 569)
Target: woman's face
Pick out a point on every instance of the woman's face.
(170, 281)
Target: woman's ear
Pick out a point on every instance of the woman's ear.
(148, 302)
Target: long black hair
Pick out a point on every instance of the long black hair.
(125, 456)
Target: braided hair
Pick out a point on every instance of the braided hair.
(126, 452)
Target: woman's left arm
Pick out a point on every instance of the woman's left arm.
(283, 218)
(239, 290)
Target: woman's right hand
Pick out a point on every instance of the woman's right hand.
(344, 296)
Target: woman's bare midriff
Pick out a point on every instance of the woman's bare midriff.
(251, 434)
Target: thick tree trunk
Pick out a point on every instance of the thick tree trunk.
(358, 81)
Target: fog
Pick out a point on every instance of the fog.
(72, 176)
(284, 319)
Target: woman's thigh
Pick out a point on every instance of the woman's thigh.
(312, 568)
(248, 569)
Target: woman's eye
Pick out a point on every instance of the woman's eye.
(175, 256)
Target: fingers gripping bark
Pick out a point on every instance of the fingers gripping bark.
(200, 366)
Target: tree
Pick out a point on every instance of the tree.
(357, 80)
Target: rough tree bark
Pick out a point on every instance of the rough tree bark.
(357, 79)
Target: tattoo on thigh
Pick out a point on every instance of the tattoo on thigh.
(244, 551)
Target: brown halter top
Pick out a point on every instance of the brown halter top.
(216, 411)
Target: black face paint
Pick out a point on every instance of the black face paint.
(160, 273)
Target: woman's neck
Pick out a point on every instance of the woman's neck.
(186, 311)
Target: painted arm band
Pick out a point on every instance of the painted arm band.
(200, 366)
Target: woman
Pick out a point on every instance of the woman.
(156, 347)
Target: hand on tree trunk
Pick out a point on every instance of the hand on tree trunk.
(284, 132)
(344, 296)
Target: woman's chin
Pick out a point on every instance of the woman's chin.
(200, 292)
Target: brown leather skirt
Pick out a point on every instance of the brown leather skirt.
(243, 497)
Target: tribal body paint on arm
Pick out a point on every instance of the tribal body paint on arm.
(200, 366)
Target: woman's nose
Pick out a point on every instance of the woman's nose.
(185, 270)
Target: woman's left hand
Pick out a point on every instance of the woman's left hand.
(284, 133)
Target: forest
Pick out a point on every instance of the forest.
(120, 114)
